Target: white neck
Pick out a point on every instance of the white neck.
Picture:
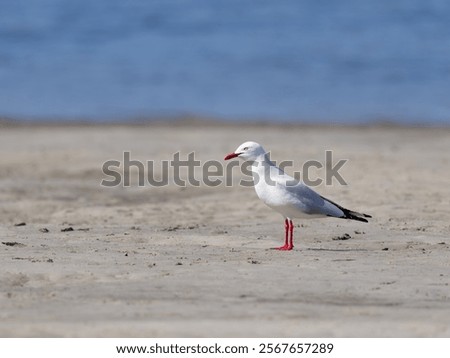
(262, 167)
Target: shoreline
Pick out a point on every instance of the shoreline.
(215, 122)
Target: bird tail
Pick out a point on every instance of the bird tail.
(349, 214)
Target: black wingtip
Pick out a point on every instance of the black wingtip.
(348, 214)
(354, 217)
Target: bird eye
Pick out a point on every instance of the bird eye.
(246, 148)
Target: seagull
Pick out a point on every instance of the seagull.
(286, 195)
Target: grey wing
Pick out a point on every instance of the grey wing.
(311, 202)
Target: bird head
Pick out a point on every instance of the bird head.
(247, 151)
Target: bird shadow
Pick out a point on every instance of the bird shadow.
(335, 250)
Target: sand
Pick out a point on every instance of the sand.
(195, 261)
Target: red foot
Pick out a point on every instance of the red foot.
(284, 248)
(289, 239)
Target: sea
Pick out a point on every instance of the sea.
(327, 61)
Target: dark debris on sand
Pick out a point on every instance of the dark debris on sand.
(342, 237)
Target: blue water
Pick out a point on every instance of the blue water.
(312, 60)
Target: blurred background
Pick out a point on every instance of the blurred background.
(346, 61)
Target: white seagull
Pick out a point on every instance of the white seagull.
(290, 197)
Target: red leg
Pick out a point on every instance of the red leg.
(287, 228)
(291, 238)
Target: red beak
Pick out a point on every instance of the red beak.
(231, 156)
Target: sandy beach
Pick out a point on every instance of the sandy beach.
(83, 260)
